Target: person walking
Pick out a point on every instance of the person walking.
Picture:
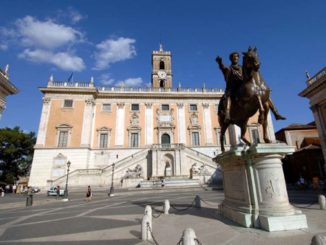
(89, 193)
(58, 191)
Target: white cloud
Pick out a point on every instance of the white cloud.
(45, 34)
(130, 82)
(105, 79)
(75, 16)
(63, 60)
(114, 50)
(3, 46)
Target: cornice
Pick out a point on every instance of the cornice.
(7, 87)
(71, 90)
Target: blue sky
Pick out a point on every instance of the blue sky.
(113, 41)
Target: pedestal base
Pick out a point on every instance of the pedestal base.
(283, 223)
(255, 189)
(241, 218)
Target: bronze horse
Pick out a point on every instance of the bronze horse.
(250, 96)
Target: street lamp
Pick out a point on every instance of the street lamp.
(66, 189)
(111, 193)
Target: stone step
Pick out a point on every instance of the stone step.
(170, 183)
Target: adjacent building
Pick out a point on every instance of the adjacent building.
(131, 136)
(316, 93)
(307, 161)
(6, 88)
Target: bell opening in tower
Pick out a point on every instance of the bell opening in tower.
(162, 65)
(162, 83)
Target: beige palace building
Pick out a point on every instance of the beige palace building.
(131, 136)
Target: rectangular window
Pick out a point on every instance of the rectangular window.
(103, 140)
(165, 107)
(193, 107)
(134, 140)
(195, 138)
(106, 107)
(63, 139)
(135, 107)
(254, 135)
(67, 103)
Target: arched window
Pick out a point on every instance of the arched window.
(165, 139)
(162, 65)
(162, 83)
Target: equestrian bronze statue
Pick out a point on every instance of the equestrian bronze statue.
(246, 93)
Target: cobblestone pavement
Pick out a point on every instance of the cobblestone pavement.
(116, 220)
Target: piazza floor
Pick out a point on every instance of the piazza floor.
(117, 220)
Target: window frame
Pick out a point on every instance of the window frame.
(190, 108)
(168, 109)
(194, 139)
(106, 104)
(64, 103)
(134, 104)
(63, 128)
(131, 140)
(255, 139)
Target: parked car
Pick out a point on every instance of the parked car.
(53, 191)
(34, 190)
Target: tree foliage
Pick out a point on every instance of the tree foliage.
(16, 153)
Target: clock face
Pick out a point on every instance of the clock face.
(161, 74)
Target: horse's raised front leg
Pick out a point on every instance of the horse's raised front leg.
(265, 124)
(243, 132)
(224, 126)
(261, 116)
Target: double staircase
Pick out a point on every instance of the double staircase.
(116, 172)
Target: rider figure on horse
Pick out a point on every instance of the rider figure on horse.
(233, 76)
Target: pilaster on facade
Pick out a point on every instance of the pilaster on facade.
(120, 124)
(41, 135)
(181, 123)
(148, 123)
(87, 122)
(208, 124)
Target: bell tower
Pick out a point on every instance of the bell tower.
(161, 69)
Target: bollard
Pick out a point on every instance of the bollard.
(146, 224)
(197, 202)
(322, 202)
(148, 210)
(189, 237)
(319, 239)
(29, 198)
(166, 206)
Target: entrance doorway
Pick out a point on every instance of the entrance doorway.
(165, 140)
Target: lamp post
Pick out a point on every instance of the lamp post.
(66, 189)
(111, 193)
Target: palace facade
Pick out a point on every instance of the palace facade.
(6, 88)
(131, 136)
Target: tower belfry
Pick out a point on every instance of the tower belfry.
(161, 69)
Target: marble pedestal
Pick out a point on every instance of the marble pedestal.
(255, 189)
